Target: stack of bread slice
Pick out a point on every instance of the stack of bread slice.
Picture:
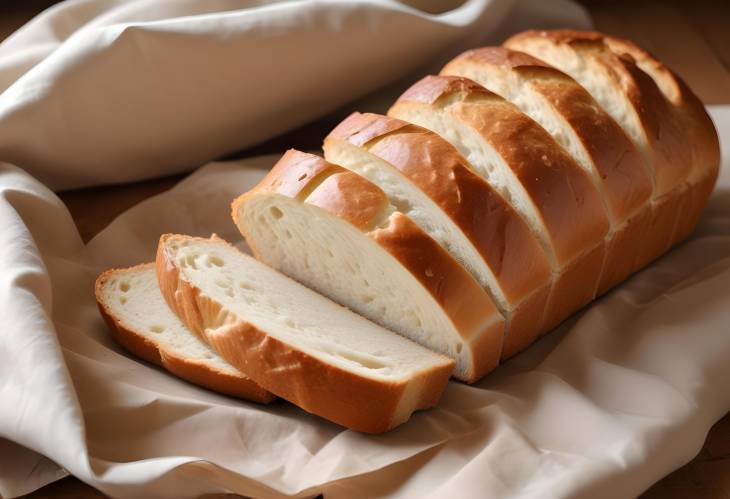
(493, 201)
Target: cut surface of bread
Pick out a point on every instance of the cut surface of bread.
(139, 319)
(517, 156)
(578, 123)
(633, 99)
(294, 342)
(434, 185)
(338, 233)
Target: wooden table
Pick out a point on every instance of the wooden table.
(692, 37)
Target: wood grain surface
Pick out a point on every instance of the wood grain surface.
(691, 37)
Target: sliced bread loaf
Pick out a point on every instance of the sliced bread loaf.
(430, 181)
(633, 99)
(339, 234)
(517, 156)
(579, 124)
(294, 342)
(139, 319)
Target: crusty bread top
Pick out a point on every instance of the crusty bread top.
(705, 141)
(620, 172)
(572, 36)
(502, 56)
(361, 128)
(338, 190)
(566, 199)
(295, 174)
(499, 234)
(430, 89)
(669, 150)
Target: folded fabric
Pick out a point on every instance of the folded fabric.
(149, 88)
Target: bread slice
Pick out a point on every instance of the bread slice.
(518, 157)
(576, 121)
(294, 342)
(337, 233)
(139, 319)
(695, 122)
(633, 99)
(431, 182)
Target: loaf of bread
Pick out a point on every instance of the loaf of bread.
(551, 169)
(493, 201)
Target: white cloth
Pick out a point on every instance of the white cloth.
(142, 88)
(605, 406)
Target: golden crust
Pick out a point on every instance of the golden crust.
(669, 151)
(350, 197)
(623, 249)
(358, 129)
(566, 198)
(619, 164)
(296, 174)
(198, 373)
(697, 124)
(361, 203)
(501, 57)
(307, 177)
(571, 291)
(625, 181)
(429, 89)
(524, 327)
(357, 402)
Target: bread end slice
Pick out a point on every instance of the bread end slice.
(141, 322)
(295, 343)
